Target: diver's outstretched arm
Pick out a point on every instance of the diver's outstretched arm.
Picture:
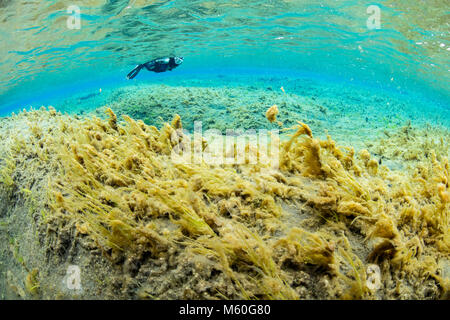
(135, 71)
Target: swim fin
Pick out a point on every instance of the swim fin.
(135, 71)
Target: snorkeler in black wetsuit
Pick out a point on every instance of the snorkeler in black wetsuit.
(157, 65)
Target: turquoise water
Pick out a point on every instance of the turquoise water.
(254, 42)
(363, 183)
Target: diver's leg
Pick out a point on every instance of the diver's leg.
(134, 72)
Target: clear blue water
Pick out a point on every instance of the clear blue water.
(329, 41)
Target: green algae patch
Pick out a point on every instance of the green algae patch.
(157, 228)
(410, 144)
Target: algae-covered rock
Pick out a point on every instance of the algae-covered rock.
(97, 208)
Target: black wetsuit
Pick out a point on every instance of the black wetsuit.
(157, 65)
